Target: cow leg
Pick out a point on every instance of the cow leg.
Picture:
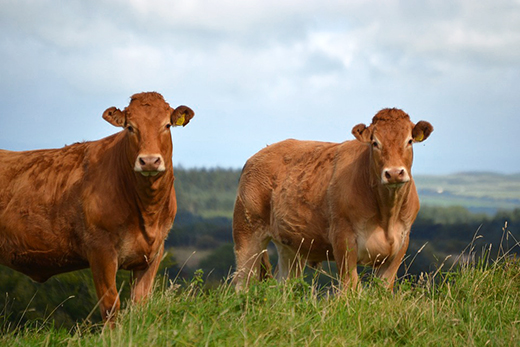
(250, 256)
(345, 254)
(104, 268)
(251, 239)
(143, 279)
(388, 271)
(266, 270)
(290, 265)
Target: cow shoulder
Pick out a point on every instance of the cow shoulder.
(350, 194)
(106, 193)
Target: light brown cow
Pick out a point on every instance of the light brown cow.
(352, 202)
(105, 204)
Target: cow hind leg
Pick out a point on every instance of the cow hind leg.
(252, 261)
(265, 267)
(290, 264)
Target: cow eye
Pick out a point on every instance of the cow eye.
(410, 142)
(130, 128)
(168, 126)
(375, 145)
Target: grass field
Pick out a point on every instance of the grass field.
(473, 305)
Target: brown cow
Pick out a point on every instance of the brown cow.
(352, 202)
(105, 204)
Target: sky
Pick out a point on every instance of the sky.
(258, 72)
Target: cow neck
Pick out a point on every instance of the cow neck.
(390, 203)
(147, 192)
(153, 191)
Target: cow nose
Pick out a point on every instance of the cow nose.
(150, 163)
(395, 175)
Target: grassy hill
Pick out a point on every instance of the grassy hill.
(474, 305)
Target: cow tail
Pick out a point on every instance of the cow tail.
(265, 267)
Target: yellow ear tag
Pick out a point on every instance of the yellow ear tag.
(180, 120)
(419, 137)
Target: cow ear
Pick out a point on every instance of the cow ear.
(182, 115)
(361, 132)
(421, 131)
(115, 117)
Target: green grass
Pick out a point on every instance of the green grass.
(472, 305)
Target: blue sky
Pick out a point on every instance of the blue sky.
(257, 72)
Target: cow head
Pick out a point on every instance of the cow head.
(147, 121)
(391, 136)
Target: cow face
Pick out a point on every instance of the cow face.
(391, 136)
(147, 122)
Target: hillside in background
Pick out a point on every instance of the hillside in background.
(207, 192)
(211, 192)
(476, 191)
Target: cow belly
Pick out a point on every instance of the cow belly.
(304, 239)
(301, 228)
(36, 252)
(40, 265)
(309, 249)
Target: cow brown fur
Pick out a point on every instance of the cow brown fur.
(352, 202)
(105, 204)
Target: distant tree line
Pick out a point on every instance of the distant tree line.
(206, 192)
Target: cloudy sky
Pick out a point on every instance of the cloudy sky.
(257, 72)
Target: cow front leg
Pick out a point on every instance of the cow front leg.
(344, 247)
(104, 267)
(388, 271)
(143, 279)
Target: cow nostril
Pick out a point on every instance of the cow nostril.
(149, 163)
(395, 175)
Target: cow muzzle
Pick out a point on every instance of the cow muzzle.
(395, 176)
(149, 165)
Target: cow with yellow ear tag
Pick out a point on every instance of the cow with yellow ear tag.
(352, 202)
(105, 205)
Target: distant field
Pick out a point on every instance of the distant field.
(479, 192)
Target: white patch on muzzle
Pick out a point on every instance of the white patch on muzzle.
(395, 176)
(149, 165)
